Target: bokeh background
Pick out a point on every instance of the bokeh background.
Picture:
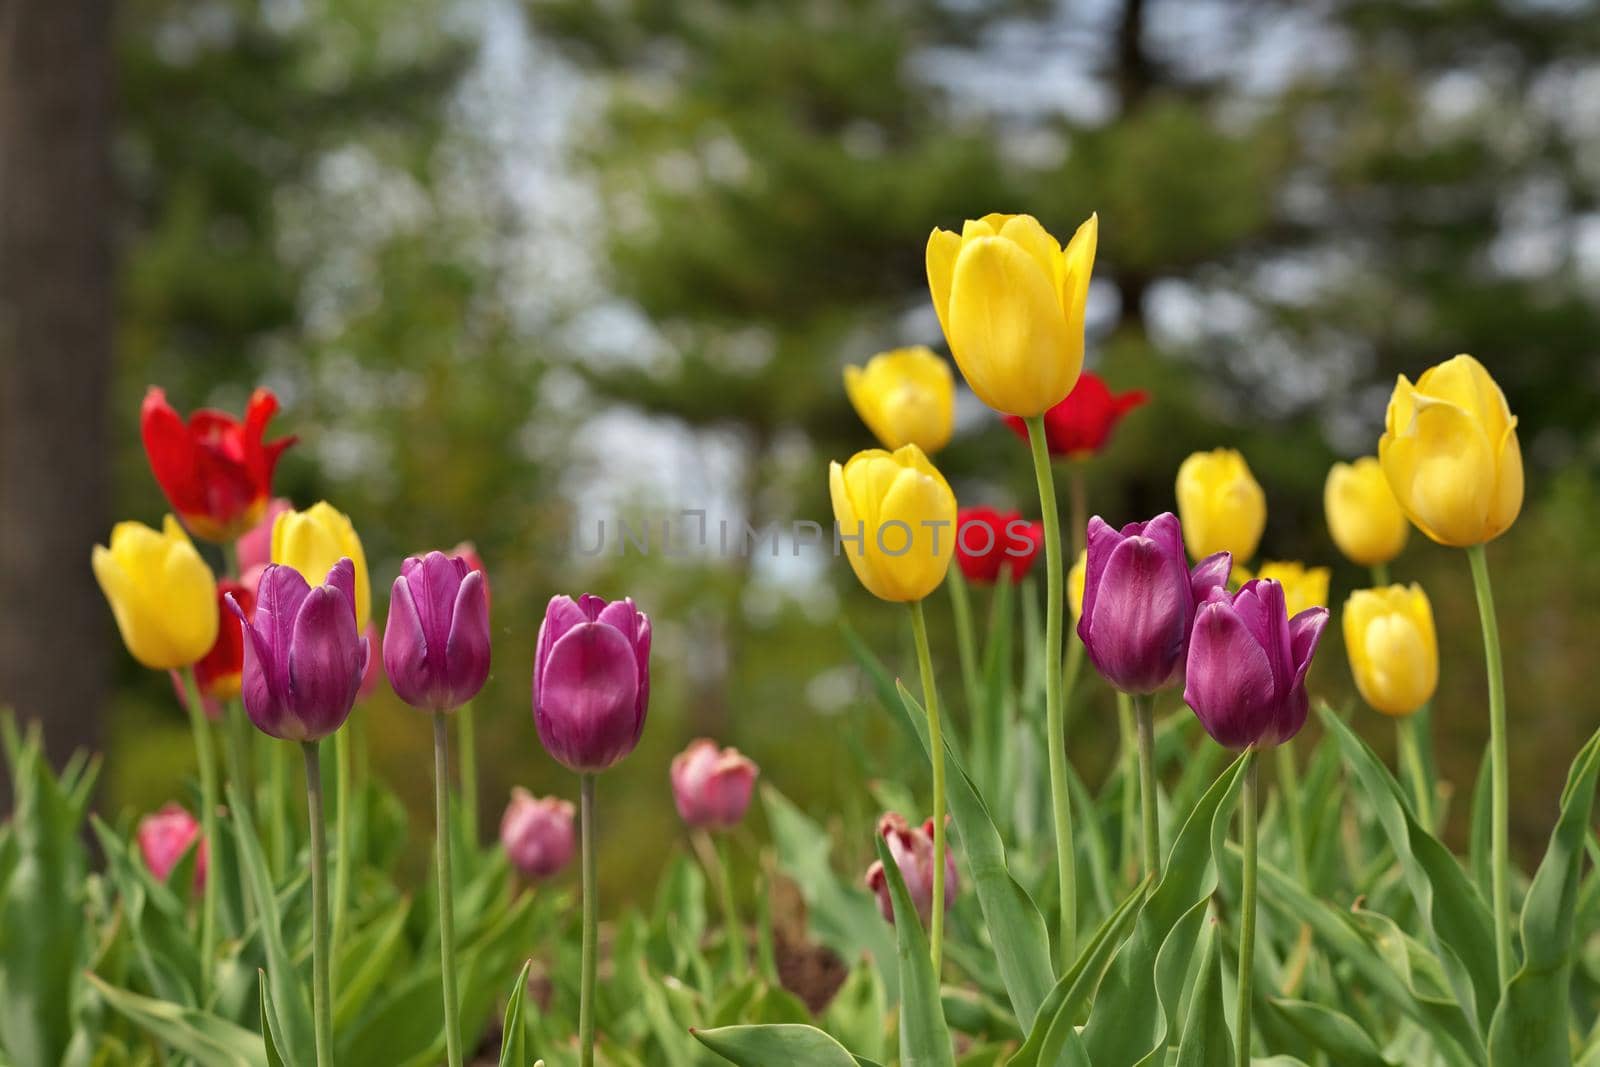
(519, 268)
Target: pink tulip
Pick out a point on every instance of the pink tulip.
(710, 786)
(163, 839)
(537, 833)
(912, 849)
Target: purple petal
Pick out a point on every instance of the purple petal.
(405, 645)
(1229, 679)
(255, 685)
(325, 663)
(1305, 631)
(1137, 629)
(1100, 539)
(1165, 531)
(1209, 574)
(585, 699)
(560, 615)
(343, 578)
(434, 586)
(467, 646)
(279, 596)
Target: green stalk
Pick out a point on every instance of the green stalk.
(1144, 716)
(447, 919)
(1410, 746)
(930, 699)
(591, 929)
(1247, 916)
(1130, 777)
(207, 759)
(343, 853)
(467, 738)
(1500, 857)
(321, 980)
(1055, 720)
(717, 847)
(1380, 574)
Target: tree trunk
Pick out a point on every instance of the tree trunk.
(55, 361)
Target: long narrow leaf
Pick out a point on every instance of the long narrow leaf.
(924, 1036)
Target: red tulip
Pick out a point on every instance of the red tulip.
(220, 672)
(1080, 425)
(988, 541)
(215, 470)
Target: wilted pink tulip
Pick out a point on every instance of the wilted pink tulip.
(254, 546)
(591, 680)
(436, 646)
(537, 833)
(163, 839)
(710, 786)
(912, 849)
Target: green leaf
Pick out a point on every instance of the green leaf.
(1338, 1036)
(766, 1046)
(856, 1013)
(924, 1036)
(513, 1035)
(1480, 848)
(1530, 1029)
(1206, 1041)
(366, 959)
(212, 1042)
(274, 1059)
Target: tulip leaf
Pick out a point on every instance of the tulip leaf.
(513, 1035)
(366, 958)
(274, 1059)
(763, 1046)
(1480, 850)
(924, 1035)
(156, 920)
(856, 1012)
(210, 1040)
(1530, 1029)
(1206, 1041)
(1337, 1036)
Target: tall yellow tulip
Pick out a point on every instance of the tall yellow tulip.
(1303, 587)
(1364, 518)
(1449, 450)
(906, 396)
(1394, 653)
(313, 540)
(896, 517)
(161, 592)
(1011, 302)
(1221, 505)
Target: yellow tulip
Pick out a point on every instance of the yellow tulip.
(906, 396)
(1394, 655)
(313, 540)
(162, 593)
(1075, 579)
(1449, 450)
(1364, 518)
(1011, 301)
(1221, 505)
(896, 521)
(1303, 587)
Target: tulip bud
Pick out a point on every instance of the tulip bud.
(1139, 600)
(537, 833)
(591, 680)
(164, 838)
(161, 592)
(1081, 425)
(1011, 302)
(906, 397)
(436, 645)
(253, 549)
(1222, 506)
(303, 656)
(1076, 578)
(1449, 450)
(710, 787)
(313, 540)
(912, 850)
(1364, 518)
(1303, 587)
(989, 542)
(1394, 654)
(1246, 674)
(896, 517)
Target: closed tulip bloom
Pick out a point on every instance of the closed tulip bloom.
(906, 396)
(1303, 587)
(1080, 426)
(1246, 675)
(1139, 601)
(537, 834)
(215, 470)
(1450, 452)
(163, 839)
(1076, 578)
(161, 592)
(313, 540)
(1364, 518)
(989, 542)
(912, 850)
(591, 680)
(1394, 654)
(896, 517)
(1221, 504)
(710, 786)
(436, 645)
(219, 671)
(1011, 302)
(303, 655)
(253, 549)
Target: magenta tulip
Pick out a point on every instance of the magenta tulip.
(537, 833)
(163, 839)
(712, 787)
(591, 680)
(912, 850)
(436, 645)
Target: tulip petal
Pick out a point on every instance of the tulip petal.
(279, 597)
(1210, 573)
(1077, 264)
(325, 664)
(405, 646)
(560, 615)
(1006, 330)
(1305, 632)
(943, 247)
(1036, 241)
(1437, 467)
(467, 646)
(1229, 682)
(585, 706)
(1137, 640)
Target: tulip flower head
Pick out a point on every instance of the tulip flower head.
(1364, 518)
(218, 673)
(253, 549)
(912, 850)
(1011, 302)
(215, 470)
(1303, 587)
(161, 592)
(1394, 653)
(1139, 601)
(1449, 450)
(989, 542)
(896, 521)
(436, 645)
(1246, 674)
(1221, 504)
(710, 786)
(313, 540)
(906, 396)
(537, 834)
(591, 680)
(1081, 425)
(303, 655)
(165, 836)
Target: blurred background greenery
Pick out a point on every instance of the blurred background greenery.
(519, 268)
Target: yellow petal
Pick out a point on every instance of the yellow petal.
(1036, 241)
(1077, 264)
(1442, 472)
(1006, 330)
(943, 247)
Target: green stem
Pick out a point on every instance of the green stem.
(930, 700)
(1055, 720)
(321, 971)
(1144, 716)
(344, 858)
(591, 927)
(1289, 785)
(467, 738)
(1411, 759)
(966, 646)
(732, 929)
(1380, 574)
(1247, 906)
(200, 727)
(1130, 779)
(1500, 858)
(447, 919)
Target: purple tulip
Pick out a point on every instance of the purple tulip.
(537, 833)
(1139, 601)
(912, 850)
(303, 657)
(712, 786)
(436, 645)
(591, 680)
(1248, 663)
